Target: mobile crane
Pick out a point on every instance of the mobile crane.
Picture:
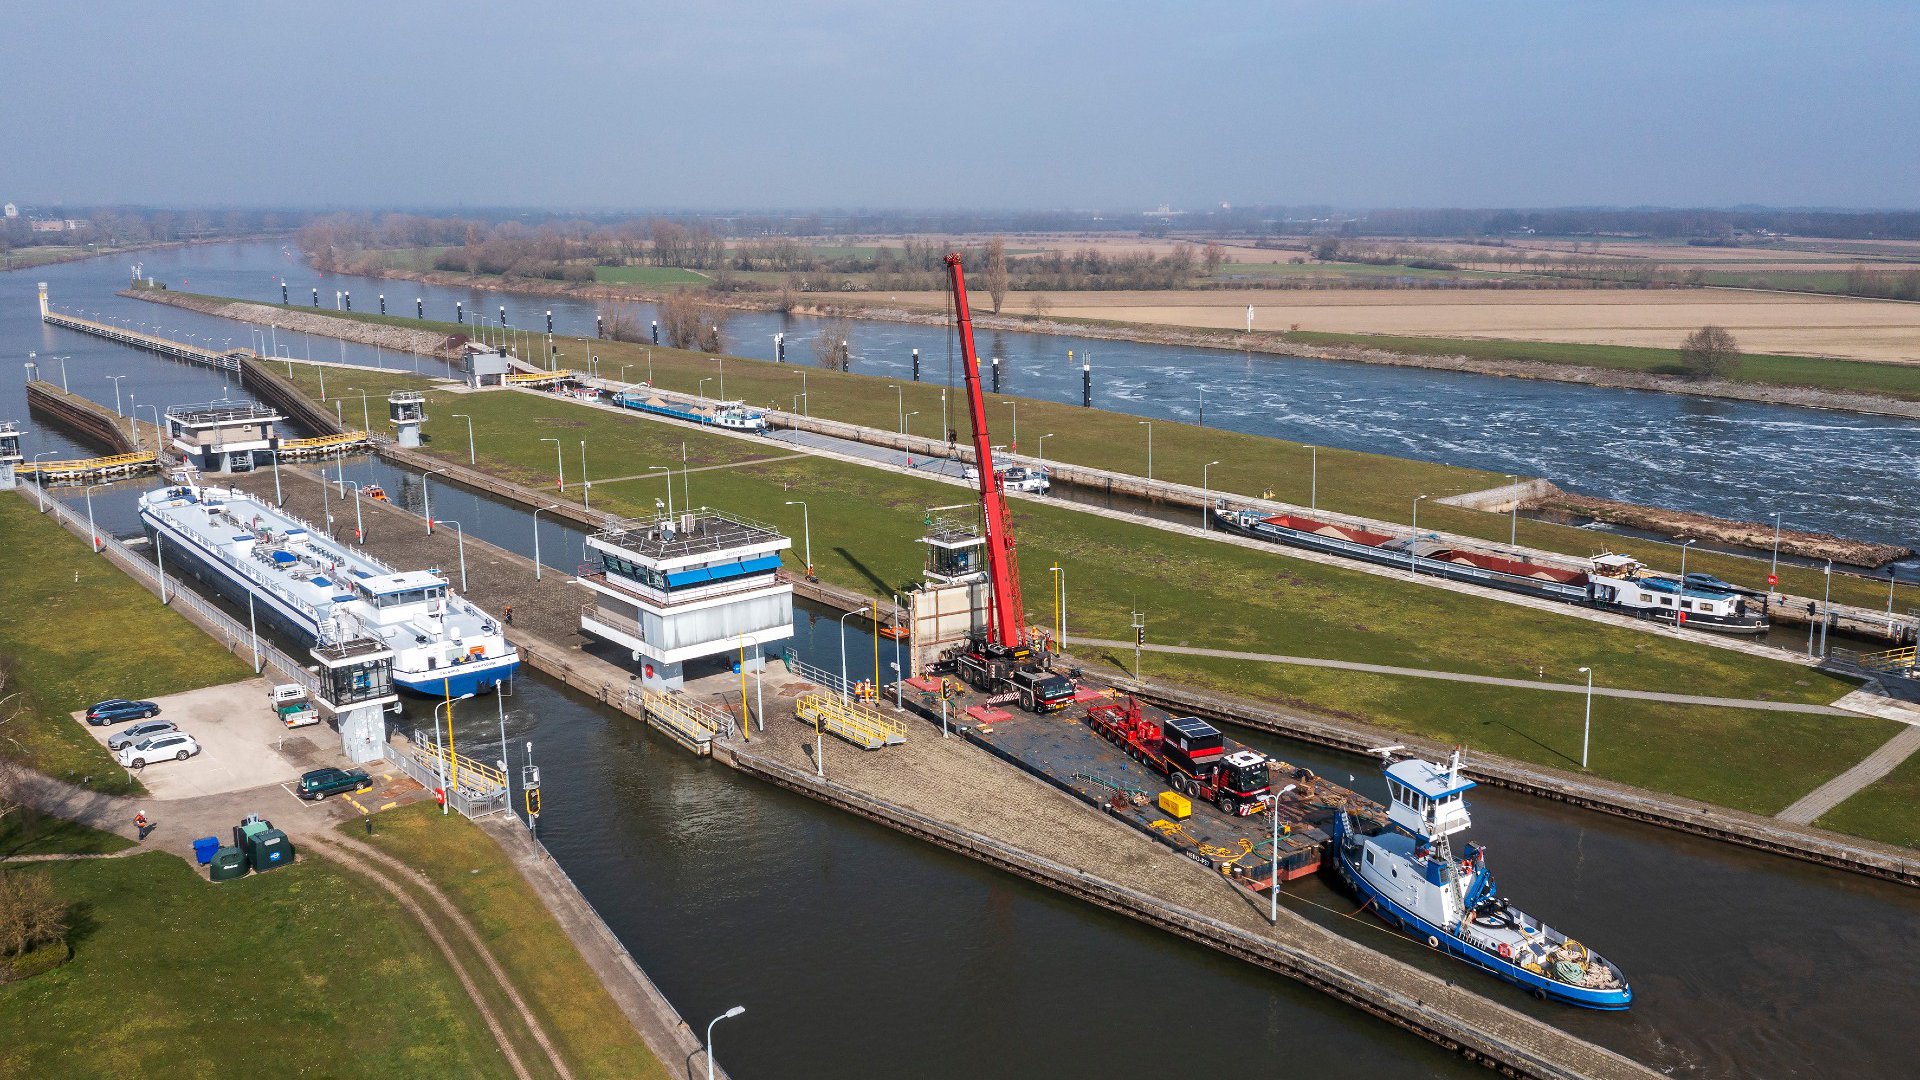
(999, 658)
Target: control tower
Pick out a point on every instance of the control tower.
(407, 410)
(677, 589)
(954, 601)
(356, 687)
(223, 436)
(10, 455)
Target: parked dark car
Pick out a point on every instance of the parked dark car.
(133, 733)
(115, 710)
(320, 783)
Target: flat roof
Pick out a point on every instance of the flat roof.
(1433, 781)
(692, 533)
(222, 412)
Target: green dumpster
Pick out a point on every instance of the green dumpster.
(228, 863)
(268, 849)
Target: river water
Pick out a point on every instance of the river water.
(859, 952)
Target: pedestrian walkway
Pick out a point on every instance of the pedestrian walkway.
(1839, 789)
(1484, 680)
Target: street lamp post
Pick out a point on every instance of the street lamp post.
(1513, 530)
(1411, 541)
(536, 538)
(1826, 609)
(1684, 545)
(93, 534)
(471, 459)
(1014, 443)
(1313, 478)
(668, 477)
(1149, 426)
(1060, 604)
(1773, 571)
(559, 460)
(366, 417)
(279, 499)
(728, 1015)
(460, 535)
(426, 496)
(701, 391)
(1273, 857)
(116, 391)
(40, 478)
(843, 657)
(586, 485)
(1586, 731)
(806, 530)
(899, 403)
(359, 525)
(1205, 523)
(1043, 448)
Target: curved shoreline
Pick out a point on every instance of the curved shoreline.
(1225, 341)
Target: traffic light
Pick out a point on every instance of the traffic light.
(533, 802)
(1139, 635)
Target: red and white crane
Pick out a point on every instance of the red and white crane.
(1007, 624)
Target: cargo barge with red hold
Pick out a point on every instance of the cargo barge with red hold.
(1612, 582)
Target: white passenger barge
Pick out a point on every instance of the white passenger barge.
(319, 589)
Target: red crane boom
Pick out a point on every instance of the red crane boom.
(1008, 624)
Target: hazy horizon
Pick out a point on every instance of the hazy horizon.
(599, 107)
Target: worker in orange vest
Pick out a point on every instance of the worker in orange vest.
(141, 824)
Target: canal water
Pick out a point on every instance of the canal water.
(860, 952)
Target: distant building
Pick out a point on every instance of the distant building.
(12, 211)
(53, 225)
(77, 223)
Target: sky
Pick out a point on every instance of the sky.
(1029, 105)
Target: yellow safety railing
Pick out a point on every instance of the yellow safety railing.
(1891, 660)
(464, 772)
(534, 378)
(323, 442)
(861, 725)
(72, 466)
(693, 723)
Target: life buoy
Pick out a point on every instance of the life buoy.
(1506, 953)
(1432, 942)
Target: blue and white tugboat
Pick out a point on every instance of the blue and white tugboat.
(1408, 873)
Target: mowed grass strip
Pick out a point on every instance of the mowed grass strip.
(29, 832)
(77, 631)
(1351, 482)
(593, 1035)
(308, 969)
(1887, 810)
(1748, 759)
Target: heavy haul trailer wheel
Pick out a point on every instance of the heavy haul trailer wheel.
(1181, 783)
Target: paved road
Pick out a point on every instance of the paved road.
(1486, 680)
(1837, 790)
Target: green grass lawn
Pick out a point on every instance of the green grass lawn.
(593, 1035)
(1884, 810)
(1859, 376)
(1370, 485)
(83, 631)
(649, 275)
(305, 970)
(28, 832)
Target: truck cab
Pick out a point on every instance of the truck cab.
(292, 705)
(1041, 691)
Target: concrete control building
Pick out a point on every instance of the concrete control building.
(223, 436)
(677, 589)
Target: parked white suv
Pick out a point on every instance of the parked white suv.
(177, 745)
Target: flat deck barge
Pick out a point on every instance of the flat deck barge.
(1069, 751)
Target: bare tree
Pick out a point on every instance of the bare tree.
(830, 349)
(31, 912)
(691, 322)
(1040, 305)
(997, 275)
(1708, 353)
(1213, 255)
(12, 773)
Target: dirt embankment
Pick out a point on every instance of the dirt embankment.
(1748, 534)
(397, 338)
(858, 306)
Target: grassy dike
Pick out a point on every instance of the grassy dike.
(1351, 482)
(588, 1029)
(65, 656)
(866, 523)
(309, 969)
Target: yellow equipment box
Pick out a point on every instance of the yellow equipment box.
(1176, 804)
